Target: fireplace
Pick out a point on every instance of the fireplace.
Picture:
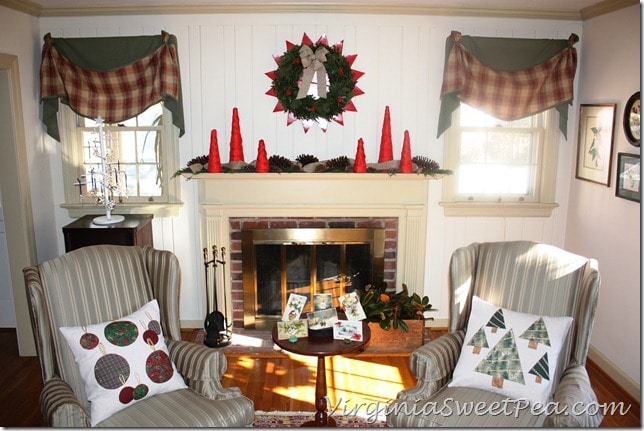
(337, 260)
(231, 203)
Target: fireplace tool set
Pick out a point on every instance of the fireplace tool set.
(218, 331)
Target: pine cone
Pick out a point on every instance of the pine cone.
(280, 164)
(339, 164)
(201, 159)
(426, 164)
(305, 159)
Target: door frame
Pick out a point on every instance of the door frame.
(16, 200)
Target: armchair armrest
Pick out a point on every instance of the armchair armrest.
(575, 400)
(202, 369)
(60, 406)
(433, 364)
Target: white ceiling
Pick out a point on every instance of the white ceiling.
(561, 9)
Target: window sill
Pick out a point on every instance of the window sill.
(497, 209)
(159, 210)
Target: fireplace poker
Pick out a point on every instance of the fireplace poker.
(214, 324)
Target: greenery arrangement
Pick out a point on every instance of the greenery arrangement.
(390, 310)
(279, 164)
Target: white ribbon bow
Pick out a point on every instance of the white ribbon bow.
(313, 63)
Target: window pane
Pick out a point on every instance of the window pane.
(148, 185)
(147, 146)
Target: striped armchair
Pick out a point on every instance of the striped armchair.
(522, 276)
(105, 282)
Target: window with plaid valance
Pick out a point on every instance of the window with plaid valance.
(115, 78)
(508, 78)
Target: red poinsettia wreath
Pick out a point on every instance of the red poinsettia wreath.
(317, 63)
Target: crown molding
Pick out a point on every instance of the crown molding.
(24, 6)
(604, 7)
(287, 6)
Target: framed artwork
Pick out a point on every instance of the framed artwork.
(595, 143)
(632, 120)
(628, 177)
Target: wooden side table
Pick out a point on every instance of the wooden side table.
(321, 347)
(136, 229)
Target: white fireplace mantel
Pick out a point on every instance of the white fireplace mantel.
(226, 195)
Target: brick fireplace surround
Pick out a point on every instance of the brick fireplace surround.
(229, 202)
(237, 224)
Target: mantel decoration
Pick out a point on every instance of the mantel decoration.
(307, 163)
(320, 64)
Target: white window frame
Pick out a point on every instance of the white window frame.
(167, 205)
(540, 204)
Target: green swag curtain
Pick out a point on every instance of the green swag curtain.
(508, 78)
(112, 77)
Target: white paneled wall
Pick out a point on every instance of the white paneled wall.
(224, 59)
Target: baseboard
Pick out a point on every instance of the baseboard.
(620, 377)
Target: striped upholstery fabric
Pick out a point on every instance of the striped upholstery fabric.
(105, 282)
(526, 277)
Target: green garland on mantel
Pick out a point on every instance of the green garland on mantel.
(306, 163)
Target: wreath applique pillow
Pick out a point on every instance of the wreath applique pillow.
(510, 353)
(123, 361)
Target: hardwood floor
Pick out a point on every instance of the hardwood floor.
(277, 383)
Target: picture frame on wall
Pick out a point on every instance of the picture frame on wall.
(595, 143)
(631, 120)
(628, 181)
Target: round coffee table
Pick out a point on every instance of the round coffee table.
(322, 347)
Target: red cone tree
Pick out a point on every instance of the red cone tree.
(386, 148)
(360, 165)
(214, 163)
(405, 156)
(261, 164)
(236, 147)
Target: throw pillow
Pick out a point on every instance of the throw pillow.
(123, 362)
(510, 353)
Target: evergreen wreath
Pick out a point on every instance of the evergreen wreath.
(340, 92)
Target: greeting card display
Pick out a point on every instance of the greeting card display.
(347, 330)
(351, 306)
(322, 319)
(294, 307)
(293, 328)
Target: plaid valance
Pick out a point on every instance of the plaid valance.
(508, 78)
(115, 78)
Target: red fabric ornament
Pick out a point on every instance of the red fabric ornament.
(405, 156)
(236, 148)
(386, 148)
(214, 164)
(360, 165)
(261, 164)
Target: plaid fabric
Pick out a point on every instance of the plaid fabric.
(509, 95)
(114, 95)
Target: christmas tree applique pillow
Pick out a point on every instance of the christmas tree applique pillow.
(510, 353)
(123, 361)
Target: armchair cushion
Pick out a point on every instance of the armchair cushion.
(512, 354)
(123, 361)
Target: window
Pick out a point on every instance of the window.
(143, 151)
(500, 167)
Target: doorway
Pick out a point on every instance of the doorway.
(16, 197)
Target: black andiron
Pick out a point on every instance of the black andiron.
(218, 333)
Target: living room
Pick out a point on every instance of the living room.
(224, 54)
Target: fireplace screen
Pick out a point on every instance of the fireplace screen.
(278, 262)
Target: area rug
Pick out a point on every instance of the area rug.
(296, 419)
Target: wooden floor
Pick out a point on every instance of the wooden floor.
(277, 383)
